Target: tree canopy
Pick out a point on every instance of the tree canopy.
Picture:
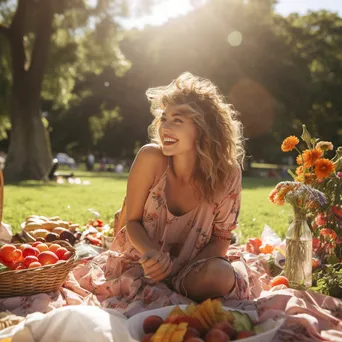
(279, 72)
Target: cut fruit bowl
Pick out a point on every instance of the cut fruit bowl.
(206, 322)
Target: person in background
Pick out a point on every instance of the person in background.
(119, 168)
(90, 161)
(2, 160)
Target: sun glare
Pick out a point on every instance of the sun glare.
(161, 12)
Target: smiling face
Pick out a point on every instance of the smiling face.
(178, 132)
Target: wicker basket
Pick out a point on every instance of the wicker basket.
(39, 279)
(34, 280)
(26, 235)
(7, 319)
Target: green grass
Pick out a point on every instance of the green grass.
(105, 194)
(257, 210)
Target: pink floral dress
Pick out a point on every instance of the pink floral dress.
(117, 278)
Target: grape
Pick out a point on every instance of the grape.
(151, 324)
(191, 332)
(227, 328)
(216, 335)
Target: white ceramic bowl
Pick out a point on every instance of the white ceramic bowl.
(135, 324)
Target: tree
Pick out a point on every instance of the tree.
(284, 72)
(258, 75)
(316, 41)
(37, 28)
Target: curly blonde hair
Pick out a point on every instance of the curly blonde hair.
(220, 146)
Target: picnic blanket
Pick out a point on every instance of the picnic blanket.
(309, 316)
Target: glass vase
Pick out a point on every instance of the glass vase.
(298, 262)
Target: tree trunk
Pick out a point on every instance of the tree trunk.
(29, 155)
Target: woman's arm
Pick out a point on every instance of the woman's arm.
(146, 167)
(214, 248)
(149, 163)
(225, 221)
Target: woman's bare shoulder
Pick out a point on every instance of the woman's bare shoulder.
(152, 157)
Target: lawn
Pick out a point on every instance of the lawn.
(105, 192)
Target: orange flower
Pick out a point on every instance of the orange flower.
(300, 178)
(309, 178)
(323, 168)
(279, 200)
(272, 195)
(326, 232)
(279, 197)
(306, 178)
(289, 143)
(315, 262)
(299, 160)
(310, 157)
(299, 170)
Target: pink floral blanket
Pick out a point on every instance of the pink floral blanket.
(309, 316)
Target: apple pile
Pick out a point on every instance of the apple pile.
(206, 322)
(32, 255)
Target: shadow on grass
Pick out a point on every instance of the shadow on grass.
(101, 175)
(31, 184)
(247, 182)
(83, 177)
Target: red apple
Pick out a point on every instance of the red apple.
(42, 247)
(29, 259)
(66, 255)
(60, 252)
(47, 258)
(53, 247)
(24, 245)
(9, 253)
(30, 251)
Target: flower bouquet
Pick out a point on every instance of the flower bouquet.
(316, 170)
(298, 263)
(321, 173)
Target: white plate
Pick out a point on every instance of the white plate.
(135, 324)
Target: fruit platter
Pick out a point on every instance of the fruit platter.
(97, 233)
(206, 322)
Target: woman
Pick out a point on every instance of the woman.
(183, 199)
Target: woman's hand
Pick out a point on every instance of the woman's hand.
(156, 264)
